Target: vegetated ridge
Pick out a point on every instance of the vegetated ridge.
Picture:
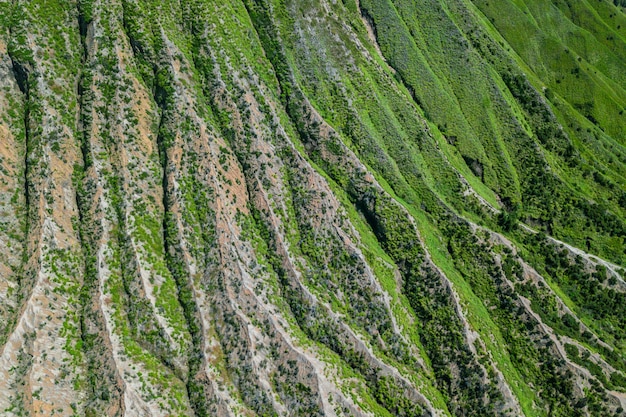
(312, 208)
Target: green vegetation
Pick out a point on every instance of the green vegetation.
(268, 207)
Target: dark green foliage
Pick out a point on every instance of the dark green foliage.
(601, 308)
(508, 219)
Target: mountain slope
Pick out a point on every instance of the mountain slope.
(277, 207)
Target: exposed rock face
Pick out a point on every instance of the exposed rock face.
(312, 208)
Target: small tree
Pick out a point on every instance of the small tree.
(507, 219)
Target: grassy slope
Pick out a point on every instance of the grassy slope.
(528, 109)
(443, 84)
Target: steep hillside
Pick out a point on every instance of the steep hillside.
(312, 208)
